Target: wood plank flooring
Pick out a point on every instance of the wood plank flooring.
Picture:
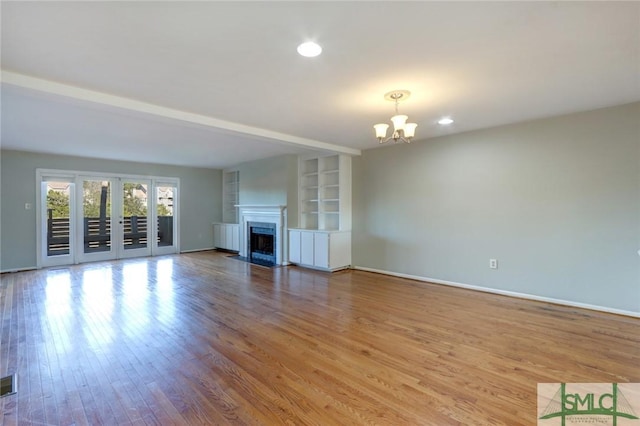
(204, 339)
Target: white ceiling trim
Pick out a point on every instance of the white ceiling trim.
(144, 107)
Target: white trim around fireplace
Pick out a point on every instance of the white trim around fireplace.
(276, 214)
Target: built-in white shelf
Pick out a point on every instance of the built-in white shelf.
(230, 196)
(323, 239)
(325, 193)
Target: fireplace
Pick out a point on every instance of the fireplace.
(270, 216)
(261, 243)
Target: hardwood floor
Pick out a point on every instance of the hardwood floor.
(204, 339)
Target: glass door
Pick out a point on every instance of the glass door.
(166, 197)
(57, 220)
(84, 217)
(97, 226)
(135, 230)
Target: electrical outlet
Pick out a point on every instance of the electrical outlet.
(493, 263)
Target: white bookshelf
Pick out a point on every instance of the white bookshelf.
(309, 185)
(325, 193)
(230, 196)
(323, 239)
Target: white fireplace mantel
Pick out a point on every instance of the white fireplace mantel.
(276, 214)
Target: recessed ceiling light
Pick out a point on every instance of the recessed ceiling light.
(445, 120)
(309, 49)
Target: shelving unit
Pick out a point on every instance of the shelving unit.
(309, 185)
(325, 193)
(226, 233)
(230, 196)
(323, 239)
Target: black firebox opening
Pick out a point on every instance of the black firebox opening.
(262, 243)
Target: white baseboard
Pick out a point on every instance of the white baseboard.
(26, 268)
(504, 292)
(197, 250)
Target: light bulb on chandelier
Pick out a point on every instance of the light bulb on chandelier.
(402, 131)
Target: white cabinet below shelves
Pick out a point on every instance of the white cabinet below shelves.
(226, 236)
(321, 249)
(295, 247)
(306, 248)
(326, 250)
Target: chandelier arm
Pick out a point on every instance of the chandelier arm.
(385, 140)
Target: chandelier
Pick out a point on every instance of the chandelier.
(402, 131)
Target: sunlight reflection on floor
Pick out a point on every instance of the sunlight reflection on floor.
(165, 309)
(58, 303)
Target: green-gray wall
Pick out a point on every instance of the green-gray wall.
(272, 181)
(200, 200)
(556, 201)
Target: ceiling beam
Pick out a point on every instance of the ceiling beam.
(73, 92)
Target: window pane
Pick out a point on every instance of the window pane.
(134, 206)
(96, 205)
(58, 194)
(164, 206)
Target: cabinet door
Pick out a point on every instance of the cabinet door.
(223, 236)
(228, 237)
(217, 236)
(294, 246)
(306, 248)
(321, 250)
(235, 237)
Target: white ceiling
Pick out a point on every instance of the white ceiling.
(214, 84)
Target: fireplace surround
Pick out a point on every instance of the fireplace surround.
(275, 217)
